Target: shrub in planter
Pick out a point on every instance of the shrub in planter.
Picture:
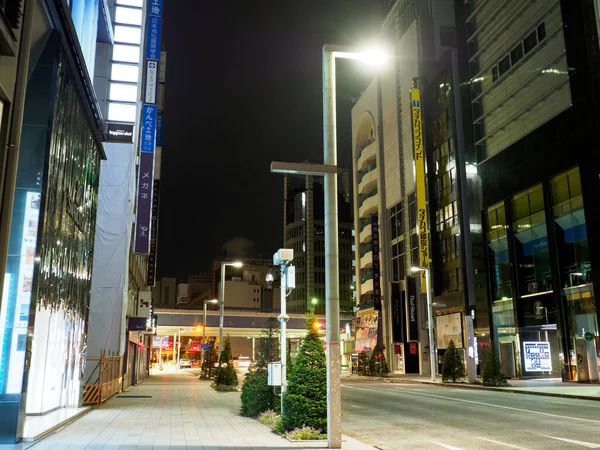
(305, 434)
(226, 375)
(377, 364)
(492, 372)
(363, 363)
(257, 395)
(305, 400)
(453, 366)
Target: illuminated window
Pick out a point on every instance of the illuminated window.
(124, 72)
(130, 16)
(139, 3)
(126, 53)
(128, 35)
(123, 92)
(121, 112)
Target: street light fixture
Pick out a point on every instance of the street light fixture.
(222, 299)
(332, 269)
(432, 352)
(329, 171)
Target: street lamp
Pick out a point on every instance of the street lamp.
(222, 299)
(432, 352)
(332, 288)
(213, 301)
(328, 170)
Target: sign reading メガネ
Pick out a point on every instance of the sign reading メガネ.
(536, 356)
(420, 184)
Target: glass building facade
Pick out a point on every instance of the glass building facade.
(45, 300)
(543, 303)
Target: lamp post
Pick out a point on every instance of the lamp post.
(332, 288)
(204, 323)
(329, 171)
(222, 299)
(432, 352)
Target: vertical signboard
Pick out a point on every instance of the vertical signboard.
(159, 129)
(412, 313)
(153, 235)
(417, 124)
(376, 263)
(143, 224)
(151, 81)
(397, 335)
(153, 27)
(365, 330)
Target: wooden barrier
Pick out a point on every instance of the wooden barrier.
(108, 382)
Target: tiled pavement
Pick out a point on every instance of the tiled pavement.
(172, 411)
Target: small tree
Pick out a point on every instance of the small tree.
(305, 400)
(377, 364)
(492, 372)
(211, 357)
(453, 366)
(226, 376)
(257, 395)
(363, 363)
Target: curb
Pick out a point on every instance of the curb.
(481, 388)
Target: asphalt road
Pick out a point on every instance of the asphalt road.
(404, 416)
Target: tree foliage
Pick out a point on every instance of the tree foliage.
(363, 363)
(305, 400)
(210, 359)
(377, 363)
(226, 375)
(492, 372)
(257, 395)
(453, 366)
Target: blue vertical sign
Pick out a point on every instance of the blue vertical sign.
(159, 129)
(153, 26)
(148, 128)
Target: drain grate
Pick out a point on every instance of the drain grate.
(134, 396)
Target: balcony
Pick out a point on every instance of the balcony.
(366, 256)
(366, 283)
(367, 180)
(364, 231)
(367, 154)
(367, 203)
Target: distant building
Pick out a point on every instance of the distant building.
(164, 293)
(304, 233)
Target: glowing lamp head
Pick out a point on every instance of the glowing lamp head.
(374, 56)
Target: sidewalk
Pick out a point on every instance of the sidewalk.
(552, 387)
(173, 411)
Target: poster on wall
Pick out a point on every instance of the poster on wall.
(449, 327)
(366, 330)
(536, 356)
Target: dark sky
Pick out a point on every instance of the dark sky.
(243, 88)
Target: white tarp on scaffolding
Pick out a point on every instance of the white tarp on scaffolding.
(109, 297)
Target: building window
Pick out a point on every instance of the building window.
(541, 32)
(126, 53)
(516, 54)
(531, 241)
(495, 73)
(530, 42)
(504, 65)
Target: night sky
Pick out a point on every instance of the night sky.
(243, 88)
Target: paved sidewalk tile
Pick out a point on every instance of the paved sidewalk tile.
(173, 411)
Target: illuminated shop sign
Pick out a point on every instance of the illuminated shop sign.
(537, 356)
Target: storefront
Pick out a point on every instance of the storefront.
(542, 296)
(44, 312)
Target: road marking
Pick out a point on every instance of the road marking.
(572, 441)
(529, 411)
(502, 443)
(449, 447)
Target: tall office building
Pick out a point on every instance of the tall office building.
(532, 72)
(304, 233)
(399, 227)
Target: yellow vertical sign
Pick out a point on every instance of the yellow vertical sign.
(417, 124)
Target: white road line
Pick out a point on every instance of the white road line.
(572, 441)
(449, 447)
(502, 443)
(529, 411)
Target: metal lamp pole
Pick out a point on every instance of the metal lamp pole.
(222, 300)
(204, 323)
(432, 352)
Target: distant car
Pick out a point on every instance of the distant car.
(185, 364)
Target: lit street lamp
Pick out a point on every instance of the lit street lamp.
(213, 301)
(222, 299)
(328, 170)
(432, 352)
